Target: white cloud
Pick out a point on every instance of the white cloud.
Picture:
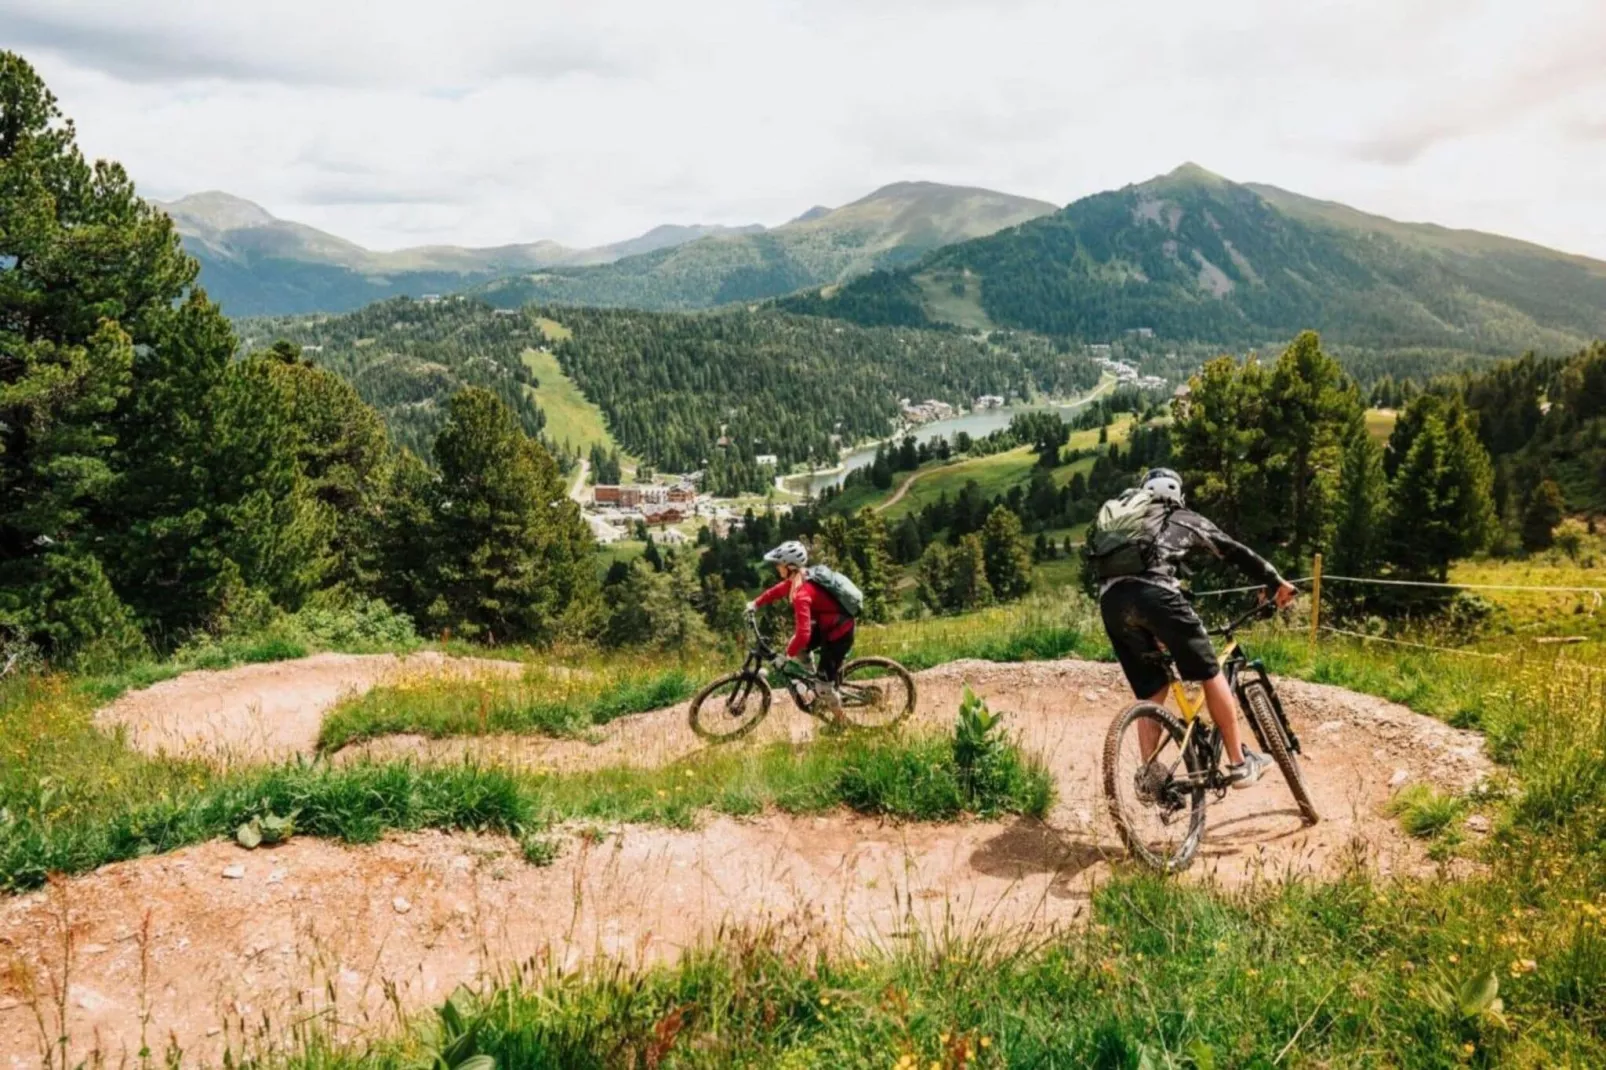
(482, 121)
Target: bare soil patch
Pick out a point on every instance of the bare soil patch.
(314, 928)
(266, 712)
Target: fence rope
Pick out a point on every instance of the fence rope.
(1251, 587)
(1596, 591)
(1407, 642)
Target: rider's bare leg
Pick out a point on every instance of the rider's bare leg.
(1148, 731)
(1223, 711)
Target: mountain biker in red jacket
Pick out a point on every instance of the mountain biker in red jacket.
(819, 625)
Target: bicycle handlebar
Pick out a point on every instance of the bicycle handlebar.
(1260, 609)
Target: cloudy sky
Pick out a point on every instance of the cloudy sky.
(480, 122)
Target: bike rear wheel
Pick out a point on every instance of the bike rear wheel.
(1268, 728)
(730, 707)
(1159, 811)
(877, 693)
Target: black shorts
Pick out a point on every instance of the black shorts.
(1142, 617)
(833, 652)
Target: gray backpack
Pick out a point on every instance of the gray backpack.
(839, 587)
(1122, 539)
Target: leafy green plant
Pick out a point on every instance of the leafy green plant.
(977, 744)
(268, 829)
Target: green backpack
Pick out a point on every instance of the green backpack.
(839, 587)
(1122, 539)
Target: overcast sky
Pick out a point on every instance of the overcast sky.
(481, 122)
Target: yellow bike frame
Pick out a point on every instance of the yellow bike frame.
(1187, 704)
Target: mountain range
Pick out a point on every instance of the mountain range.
(1193, 256)
(254, 263)
(895, 225)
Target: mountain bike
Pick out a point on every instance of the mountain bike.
(1158, 800)
(875, 693)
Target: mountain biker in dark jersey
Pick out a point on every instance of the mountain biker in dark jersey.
(1146, 611)
(819, 624)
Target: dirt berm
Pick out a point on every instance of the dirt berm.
(234, 944)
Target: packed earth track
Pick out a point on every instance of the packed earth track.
(236, 948)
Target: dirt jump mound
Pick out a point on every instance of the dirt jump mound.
(231, 944)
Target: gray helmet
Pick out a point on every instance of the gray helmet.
(791, 553)
(1164, 484)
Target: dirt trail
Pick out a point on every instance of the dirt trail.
(903, 488)
(265, 712)
(312, 921)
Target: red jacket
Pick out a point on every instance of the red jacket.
(814, 609)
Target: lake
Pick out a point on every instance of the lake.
(977, 424)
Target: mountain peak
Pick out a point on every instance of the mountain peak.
(813, 213)
(1188, 175)
(223, 211)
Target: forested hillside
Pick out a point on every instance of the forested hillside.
(895, 225)
(1543, 422)
(406, 357)
(1193, 256)
(674, 386)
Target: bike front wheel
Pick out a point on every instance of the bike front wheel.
(730, 707)
(1268, 728)
(877, 693)
(1156, 793)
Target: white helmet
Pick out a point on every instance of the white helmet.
(1164, 484)
(791, 553)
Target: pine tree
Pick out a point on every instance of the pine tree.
(967, 586)
(881, 469)
(907, 542)
(345, 457)
(1008, 563)
(1042, 496)
(1363, 501)
(1219, 443)
(1440, 506)
(1541, 514)
(931, 577)
(872, 559)
(512, 554)
(1311, 406)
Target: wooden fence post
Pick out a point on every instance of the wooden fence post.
(1315, 600)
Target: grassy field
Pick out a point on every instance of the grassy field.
(1380, 424)
(1523, 618)
(995, 474)
(571, 417)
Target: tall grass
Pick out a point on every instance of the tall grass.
(913, 778)
(547, 700)
(1346, 974)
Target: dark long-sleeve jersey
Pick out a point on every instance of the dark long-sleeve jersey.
(1183, 532)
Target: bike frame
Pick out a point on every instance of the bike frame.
(760, 653)
(1233, 664)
